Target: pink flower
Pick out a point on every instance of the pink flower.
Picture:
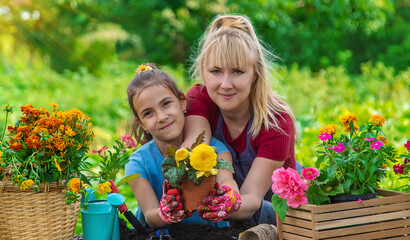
(325, 136)
(287, 183)
(129, 141)
(359, 200)
(295, 202)
(399, 168)
(369, 139)
(339, 148)
(376, 145)
(101, 150)
(310, 173)
(407, 145)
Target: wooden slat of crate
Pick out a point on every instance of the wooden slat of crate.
(362, 229)
(390, 215)
(363, 211)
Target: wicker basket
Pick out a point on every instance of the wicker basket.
(30, 215)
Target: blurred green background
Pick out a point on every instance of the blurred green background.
(336, 57)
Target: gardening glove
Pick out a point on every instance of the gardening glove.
(170, 206)
(220, 204)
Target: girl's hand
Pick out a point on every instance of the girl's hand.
(171, 207)
(220, 204)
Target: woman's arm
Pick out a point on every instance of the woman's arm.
(255, 186)
(195, 125)
(147, 200)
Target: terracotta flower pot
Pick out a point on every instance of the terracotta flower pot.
(194, 194)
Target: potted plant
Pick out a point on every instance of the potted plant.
(351, 164)
(41, 153)
(97, 212)
(187, 168)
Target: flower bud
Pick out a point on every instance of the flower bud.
(328, 188)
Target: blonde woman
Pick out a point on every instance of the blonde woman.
(236, 105)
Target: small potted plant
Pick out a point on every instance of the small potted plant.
(187, 168)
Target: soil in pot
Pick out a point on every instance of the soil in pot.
(350, 198)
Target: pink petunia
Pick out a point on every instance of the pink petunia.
(339, 148)
(376, 145)
(359, 200)
(369, 139)
(325, 136)
(295, 202)
(287, 183)
(129, 141)
(310, 173)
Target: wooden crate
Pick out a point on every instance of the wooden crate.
(387, 217)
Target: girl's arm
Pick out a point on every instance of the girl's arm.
(194, 125)
(147, 200)
(256, 184)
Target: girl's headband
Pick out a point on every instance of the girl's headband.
(143, 68)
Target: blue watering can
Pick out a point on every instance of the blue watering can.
(100, 219)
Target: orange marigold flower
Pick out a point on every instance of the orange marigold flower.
(75, 185)
(70, 132)
(25, 184)
(55, 106)
(330, 129)
(33, 142)
(104, 187)
(383, 139)
(18, 136)
(59, 144)
(26, 109)
(347, 119)
(16, 146)
(377, 119)
(384, 166)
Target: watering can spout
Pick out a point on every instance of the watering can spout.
(115, 199)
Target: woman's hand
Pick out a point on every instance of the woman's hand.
(220, 204)
(171, 205)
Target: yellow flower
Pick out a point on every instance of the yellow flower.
(330, 129)
(70, 132)
(25, 184)
(57, 165)
(203, 158)
(75, 185)
(384, 140)
(142, 68)
(377, 119)
(104, 187)
(1, 161)
(347, 119)
(55, 106)
(384, 166)
(180, 155)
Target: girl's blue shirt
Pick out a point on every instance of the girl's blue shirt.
(147, 161)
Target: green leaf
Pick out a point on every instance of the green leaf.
(171, 150)
(319, 160)
(332, 170)
(316, 195)
(348, 184)
(128, 178)
(200, 139)
(360, 174)
(280, 206)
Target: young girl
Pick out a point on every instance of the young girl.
(236, 105)
(158, 106)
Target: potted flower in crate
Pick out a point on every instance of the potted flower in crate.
(41, 153)
(350, 164)
(190, 168)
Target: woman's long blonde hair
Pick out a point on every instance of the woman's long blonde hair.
(231, 41)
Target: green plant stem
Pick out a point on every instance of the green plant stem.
(5, 126)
